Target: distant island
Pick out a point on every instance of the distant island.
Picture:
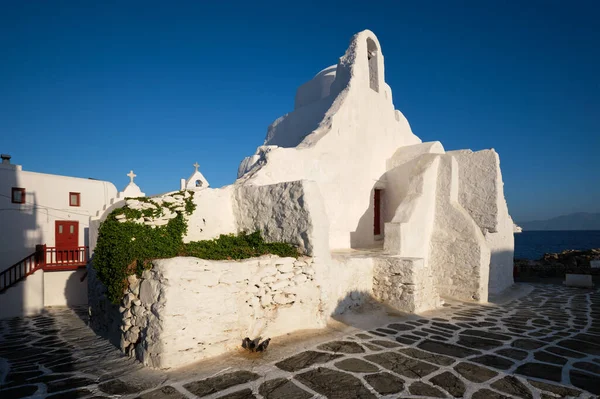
(573, 221)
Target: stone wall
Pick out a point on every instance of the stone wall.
(186, 309)
(291, 212)
(481, 193)
(405, 283)
(459, 254)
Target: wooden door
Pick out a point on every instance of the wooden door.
(377, 213)
(66, 238)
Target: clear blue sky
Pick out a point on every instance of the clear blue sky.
(97, 89)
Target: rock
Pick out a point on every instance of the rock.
(266, 301)
(132, 279)
(558, 264)
(300, 263)
(268, 279)
(124, 344)
(280, 284)
(300, 278)
(252, 289)
(285, 267)
(385, 383)
(149, 291)
(308, 270)
(280, 388)
(219, 383)
(282, 299)
(355, 365)
(138, 311)
(267, 271)
(132, 335)
(341, 347)
(285, 276)
(334, 384)
(128, 299)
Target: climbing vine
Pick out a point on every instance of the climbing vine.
(130, 238)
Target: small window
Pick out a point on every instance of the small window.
(60, 229)
(74, 199)
(198, 183)
(71, 229)
(18, 195)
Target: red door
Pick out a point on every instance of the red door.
(66, 237)
(377, 213)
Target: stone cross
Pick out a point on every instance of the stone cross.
(131, 175)
(196, 165)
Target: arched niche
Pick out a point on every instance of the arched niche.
(373, 60)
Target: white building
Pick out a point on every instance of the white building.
(379, 214)
(51, 210)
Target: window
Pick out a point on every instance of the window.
(74, 199)
(198, 183)
(18, 195)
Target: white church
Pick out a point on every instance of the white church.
(377, 213)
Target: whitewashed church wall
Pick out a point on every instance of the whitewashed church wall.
(346, 153)
(412, 188)
(290, 212)
(459, 254)
(481, 193)
(213, 215)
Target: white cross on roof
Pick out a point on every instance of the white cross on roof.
(131, 175)
(196, 165)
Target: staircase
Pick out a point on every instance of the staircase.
(44, 258)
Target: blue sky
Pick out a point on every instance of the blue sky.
(97, 89)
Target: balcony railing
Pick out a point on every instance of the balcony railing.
(44, 258)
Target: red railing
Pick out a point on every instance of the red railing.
(65, 259)
(19, 271)
(44, 258)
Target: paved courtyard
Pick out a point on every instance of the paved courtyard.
(545, 344)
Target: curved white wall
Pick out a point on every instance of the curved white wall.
(343, 148)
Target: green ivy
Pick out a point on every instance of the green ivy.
(242, 246)
(125, 248)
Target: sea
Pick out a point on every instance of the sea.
(534, 244)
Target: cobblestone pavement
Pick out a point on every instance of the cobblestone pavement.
(543, 345)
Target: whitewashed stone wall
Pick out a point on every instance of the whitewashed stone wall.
(187, 309)
(405, 284)
(481, 193)
(346, 281)
(213, 215)
(459, 254)
(291, 212)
